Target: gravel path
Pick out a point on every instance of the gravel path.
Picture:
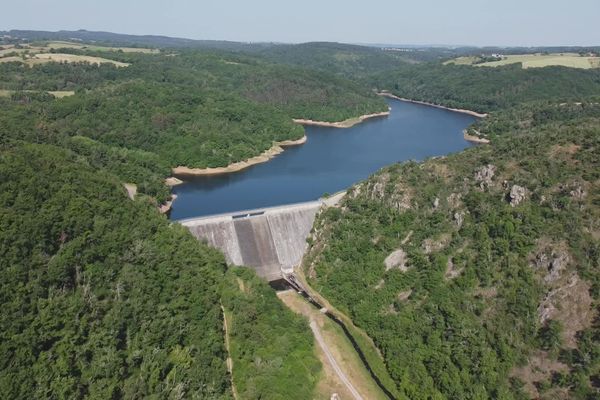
(315, 328)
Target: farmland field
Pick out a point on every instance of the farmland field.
(572, 60)
(59, 57)
(81, 46)
(56, 93)
(42, 58)
(41, 52)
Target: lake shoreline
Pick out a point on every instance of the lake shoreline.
(459, 110)
(273, 151)
(277, 148)
(348, 123)
(167, 205)
(475, 139)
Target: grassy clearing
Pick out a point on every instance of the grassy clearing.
(342, 350)
(39, 53)
(11, 50)
(81, 46)
(62, 93)
(572, 60)
(32, 55)
(462, 61)
(11, 59)
(56, 93)
(71, 58)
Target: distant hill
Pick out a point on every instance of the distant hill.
(120, 39)
(339, 58)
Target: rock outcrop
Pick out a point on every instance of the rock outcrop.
(396, 259)
(484, 175)
(517, 195)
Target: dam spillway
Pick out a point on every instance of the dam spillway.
(270, 240)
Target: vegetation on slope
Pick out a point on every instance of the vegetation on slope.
(489, 89)
(477, 274)
(528, 116)
(342, 59)
(198, 109)
(101, 297)
(272, 348)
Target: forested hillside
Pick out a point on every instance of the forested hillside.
(488, 89)
(341, 59)
(190, 108)
(271, 348)
(477, 275)
(101, 296)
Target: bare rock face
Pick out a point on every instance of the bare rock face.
(517, 195)
(459, 218)
(397, 259)
(484, 175)
(578, 193)
(396, 195)
(451, 270)
(431, 246)
(454, 200)
(554, 262)
(545, 310)
(556, 266)
(404, 295)
(570, 303)
(378, 189)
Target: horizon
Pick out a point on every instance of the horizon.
(365, 44)
(463, 23)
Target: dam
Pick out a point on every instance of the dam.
(270, 240)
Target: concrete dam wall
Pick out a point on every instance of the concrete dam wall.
(269, 240)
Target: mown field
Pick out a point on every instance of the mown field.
(44, 52)
(572, 60)
(55, 93)
(81, 46)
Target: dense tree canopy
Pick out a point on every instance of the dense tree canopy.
(489, 89)
(101, 296)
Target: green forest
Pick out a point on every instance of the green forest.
(476, 275)
(101, 296)
(489, 89)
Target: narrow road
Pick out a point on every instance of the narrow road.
(315, 328)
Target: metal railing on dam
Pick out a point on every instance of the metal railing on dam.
(270, 240)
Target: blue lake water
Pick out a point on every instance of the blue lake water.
(331, 160)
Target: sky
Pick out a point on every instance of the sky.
(420, 22)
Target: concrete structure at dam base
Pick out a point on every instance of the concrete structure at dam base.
(270, 240)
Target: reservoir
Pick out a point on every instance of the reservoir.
(331, 160)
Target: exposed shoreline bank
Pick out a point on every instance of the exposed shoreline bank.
(475, 139)
(166, 207)
(459, 110)
(268, 154)
(350, 122)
